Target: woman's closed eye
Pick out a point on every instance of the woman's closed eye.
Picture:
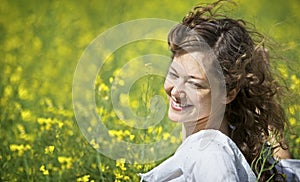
(173, 75)
(195, 84)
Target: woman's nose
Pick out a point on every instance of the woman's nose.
(175, 89)
(178, 93)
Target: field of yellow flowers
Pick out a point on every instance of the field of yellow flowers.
(41, 43)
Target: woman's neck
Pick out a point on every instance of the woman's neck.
(189, 128)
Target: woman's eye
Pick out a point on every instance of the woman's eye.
(195, 85)
(173, 75)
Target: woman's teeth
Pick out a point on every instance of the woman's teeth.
(179, 105)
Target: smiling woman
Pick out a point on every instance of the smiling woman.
(221, 89)
(186, 84)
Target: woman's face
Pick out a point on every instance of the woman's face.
(188, 88)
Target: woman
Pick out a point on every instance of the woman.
(222, 91)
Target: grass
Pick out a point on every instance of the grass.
(40, 45)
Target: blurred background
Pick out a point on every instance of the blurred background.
(40, 45)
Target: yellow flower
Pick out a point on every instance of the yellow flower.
(292, 121)
(173, 139)
(103, 87)
(23, 93)
(159, 130)
(70, 133)
(150, 129)
(94, 144)
(66, 162)
(19, 148)
(166, 136)
(47, 123)
(295, 79)
(103, 167)
(126, 178)
(121, 164)
(94, 166)
(292, 110)
(15, 78)
(298, 140)
(138, 166)
(21, 129)
(20, 169)
(119, 134)
(8, 91)
(60, 124)
(134, 104)
(45, 171)
(283, 70)
(127, 132)
(42, 168)
(49, 149)
(13, 147)
(26, 115)
(131, 137)
(84, 178)
(111, 79)
(118, 175)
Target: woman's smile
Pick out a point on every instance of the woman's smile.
(177, 105)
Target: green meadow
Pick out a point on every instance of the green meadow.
(41, 44)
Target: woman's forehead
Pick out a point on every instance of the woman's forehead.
(190, 64)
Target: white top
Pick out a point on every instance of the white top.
(291, 168)
(207, 155)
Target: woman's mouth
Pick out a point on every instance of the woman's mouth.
(178, 106)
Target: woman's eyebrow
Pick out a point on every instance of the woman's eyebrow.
(196, 77)
(189, 76)
(173, 69)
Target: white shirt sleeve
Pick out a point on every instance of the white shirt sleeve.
(216, 166)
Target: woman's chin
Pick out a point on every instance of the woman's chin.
(178, 117)
(175, 118)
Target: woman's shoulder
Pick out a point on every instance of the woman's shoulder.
(206, 144)
(209, 151)
(210, 145)
(210, 140)
(291, 168)
(201, 156)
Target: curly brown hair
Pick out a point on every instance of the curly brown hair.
(255, 113)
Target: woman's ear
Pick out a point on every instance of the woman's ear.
(231, 95)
